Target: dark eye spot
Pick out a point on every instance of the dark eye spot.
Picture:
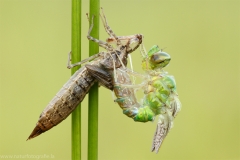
(118, 52)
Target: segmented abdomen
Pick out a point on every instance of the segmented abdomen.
(65, 101)
(125, 96)
(160, 94)
(127, 100)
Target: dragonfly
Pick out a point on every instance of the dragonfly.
(79, 84)
(160, 93)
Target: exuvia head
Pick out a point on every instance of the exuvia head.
(134, 43)
(131, 42)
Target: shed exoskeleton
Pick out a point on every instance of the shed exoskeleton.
(75, 89)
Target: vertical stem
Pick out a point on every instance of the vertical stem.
(76, 57)
(93, 93)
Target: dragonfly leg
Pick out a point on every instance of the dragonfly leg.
(133, 73)
(69, 66)
(136, 86)
(143, 50)
(100, 43)
(108, 29)
(88, 17)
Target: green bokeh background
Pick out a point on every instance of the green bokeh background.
(203, 38)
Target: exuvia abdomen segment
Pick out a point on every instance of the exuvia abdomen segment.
(65, 101)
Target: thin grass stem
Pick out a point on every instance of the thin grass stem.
(93, 93)
(76, 57)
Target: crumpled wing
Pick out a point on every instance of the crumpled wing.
(163, 127)
(175, 106)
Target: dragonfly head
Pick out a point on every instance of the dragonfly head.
(160, 59)
(155, 59)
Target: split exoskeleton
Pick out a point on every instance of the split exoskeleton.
(79, 84)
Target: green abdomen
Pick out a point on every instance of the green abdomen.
(159, 95)
(156, 97)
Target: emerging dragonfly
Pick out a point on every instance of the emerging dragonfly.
(75, 89)
(160, 94)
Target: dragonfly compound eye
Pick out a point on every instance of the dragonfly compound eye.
(160, 59)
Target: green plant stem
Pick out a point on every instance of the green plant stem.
(93, 93)
(76, 57)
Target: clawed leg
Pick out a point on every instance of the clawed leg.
(144, 54)
(100, 43)
(130, 61)
(88, 17)
(136, 74)
(107, 27)
(143, 50)
(69, 65)
(135, 86)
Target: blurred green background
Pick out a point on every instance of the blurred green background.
(202, 37)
